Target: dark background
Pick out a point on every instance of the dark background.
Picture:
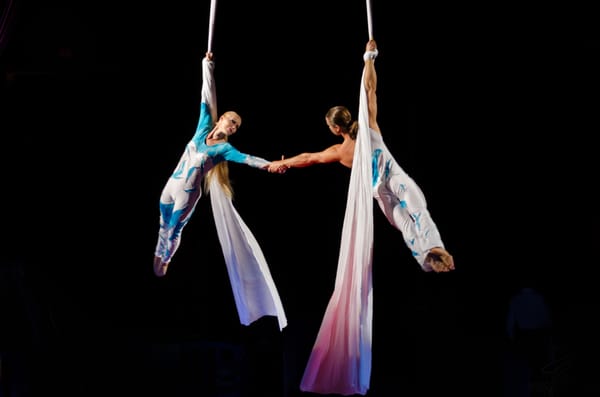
(492, 112)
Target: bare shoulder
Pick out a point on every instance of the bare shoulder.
(333, 148)
(331, 154)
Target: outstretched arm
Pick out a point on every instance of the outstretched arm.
(230, 153)
(329, 155)
(371, 83)
(208, 105)
(209, 92)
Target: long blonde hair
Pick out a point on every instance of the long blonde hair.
(221, 171)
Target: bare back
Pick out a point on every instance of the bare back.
(346, 152)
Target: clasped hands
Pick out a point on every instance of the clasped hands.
(278, 166)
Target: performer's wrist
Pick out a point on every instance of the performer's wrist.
(370, 55)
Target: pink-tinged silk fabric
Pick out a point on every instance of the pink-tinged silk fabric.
(340, 361)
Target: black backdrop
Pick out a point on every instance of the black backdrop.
(491, 116)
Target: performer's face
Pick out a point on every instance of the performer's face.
(230, 122)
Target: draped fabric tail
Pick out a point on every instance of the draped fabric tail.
(251, 281)
(253, 288)
(340, 361)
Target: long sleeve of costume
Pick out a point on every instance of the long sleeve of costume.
(340, 361)
(209, 91)
(208, 103)
(230, 153)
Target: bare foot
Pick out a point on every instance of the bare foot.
(440, 260)
(160, 267)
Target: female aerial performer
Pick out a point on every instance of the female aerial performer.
(205, 161)
(205, 155)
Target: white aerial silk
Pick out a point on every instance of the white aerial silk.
(340, 361)
(253, 287)
(251, 281)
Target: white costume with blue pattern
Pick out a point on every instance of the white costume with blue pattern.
(184, 187)
(402, 202)
(340, 360)
(252, 285)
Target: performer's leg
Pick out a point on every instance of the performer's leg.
(174, 216)
(405, 207)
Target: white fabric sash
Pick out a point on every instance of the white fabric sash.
(340, 362)
(253, 287)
